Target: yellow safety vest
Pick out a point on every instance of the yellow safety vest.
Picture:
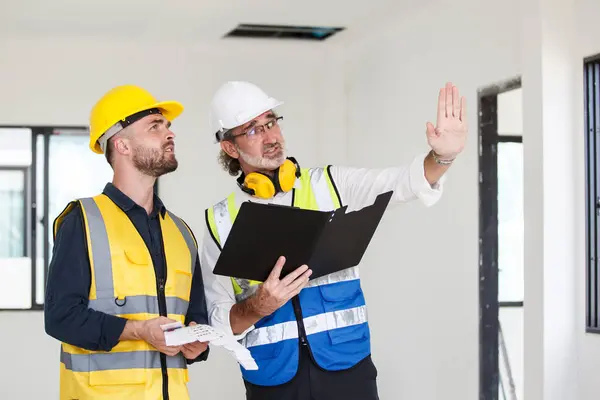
(124, 284)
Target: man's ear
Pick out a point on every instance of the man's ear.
(229, 148)
(122, 145)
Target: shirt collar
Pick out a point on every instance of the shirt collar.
(126, 204)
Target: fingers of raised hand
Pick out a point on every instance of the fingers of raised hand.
(449, 99)
(456, 102)
(450, 103)
(463, 109)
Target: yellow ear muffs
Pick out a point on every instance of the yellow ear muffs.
(287, 175)
(259, 185)
(262, 186)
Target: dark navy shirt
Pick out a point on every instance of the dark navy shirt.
(66, 312)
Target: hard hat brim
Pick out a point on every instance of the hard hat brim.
(169, 109)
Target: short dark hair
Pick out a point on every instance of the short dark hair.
(108, 153)
(229, 164)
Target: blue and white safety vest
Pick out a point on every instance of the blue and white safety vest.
(329, 315)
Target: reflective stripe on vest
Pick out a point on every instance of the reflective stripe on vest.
(312, 325)
(105, 292)
(117, 360)
(320, 189)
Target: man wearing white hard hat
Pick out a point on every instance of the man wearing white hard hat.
(310, 339)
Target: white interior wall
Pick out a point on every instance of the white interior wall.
(510, 113)
(429, 256)
(56, 82)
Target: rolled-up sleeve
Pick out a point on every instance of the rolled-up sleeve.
(358, 187)
(66, 314)
(218, 289)
(427, 193)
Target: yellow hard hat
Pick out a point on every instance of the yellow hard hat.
(122, 106)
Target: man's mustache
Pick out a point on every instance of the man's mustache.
(270, 146)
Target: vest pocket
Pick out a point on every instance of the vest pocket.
(339, 299)
(183, 284)
(136, 277)
(137, 256)
(336, 293)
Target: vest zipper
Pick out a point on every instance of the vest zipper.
(300, 320)
(162, 309)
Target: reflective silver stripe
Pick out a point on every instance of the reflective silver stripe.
(315, 324)
(318, 182)
(118, 360)
(335, 319)
(138, 305)
(100, 250)
(348, 274)
(271, 334)
(189, 240)
(222, 220)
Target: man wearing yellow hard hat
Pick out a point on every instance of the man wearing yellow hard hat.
(310, 339)
(123, 266)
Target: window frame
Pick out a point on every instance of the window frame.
(31, 179)
(489, 304)
(591, 86)
(32, 201)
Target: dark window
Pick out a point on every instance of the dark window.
(592, 130)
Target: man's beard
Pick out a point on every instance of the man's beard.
(154, 162)
(267, 162)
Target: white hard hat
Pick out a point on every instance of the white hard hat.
(236, 103)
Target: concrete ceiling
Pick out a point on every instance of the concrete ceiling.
(186, 20)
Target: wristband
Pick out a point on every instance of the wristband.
(441, 161)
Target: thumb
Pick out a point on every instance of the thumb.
(192, 323)
(431, 130)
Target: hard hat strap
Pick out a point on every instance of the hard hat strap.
(122, 124)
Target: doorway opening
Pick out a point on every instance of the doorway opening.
(501, 241)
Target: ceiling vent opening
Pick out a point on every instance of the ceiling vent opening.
(283, 32)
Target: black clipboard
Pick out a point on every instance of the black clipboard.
(326, 241)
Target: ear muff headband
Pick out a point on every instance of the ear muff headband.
(263, 186)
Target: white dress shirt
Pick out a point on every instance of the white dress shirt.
(358, 188)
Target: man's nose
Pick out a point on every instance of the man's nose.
(270, 136)
(170, 134)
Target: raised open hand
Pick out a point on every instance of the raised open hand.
(448, 137)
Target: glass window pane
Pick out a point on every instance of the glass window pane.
(74, 171)
(12, 213)
(510, 221)
(15, 261)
